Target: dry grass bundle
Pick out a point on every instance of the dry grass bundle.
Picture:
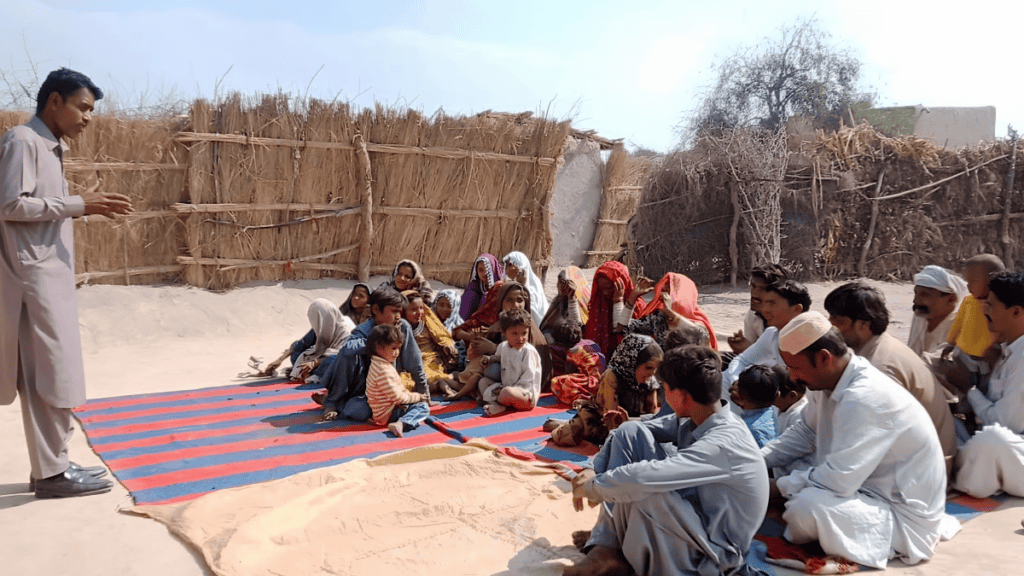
(624, 179)
(849, 147)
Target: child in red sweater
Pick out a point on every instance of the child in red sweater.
(391, 403)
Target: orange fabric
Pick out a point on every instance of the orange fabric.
(684, 301)
(599, 324)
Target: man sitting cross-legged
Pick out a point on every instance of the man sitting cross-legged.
(878, 489)
(681, 494)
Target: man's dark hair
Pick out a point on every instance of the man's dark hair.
(787, 384)
(760, 384)
(831, 341)
(65, 82)
(859, 301)
(567, 333)
(514, 317)
(793, 292)
(383, 335)
(1008, 287)
(769, 273)
(696, 369)
(385, 296)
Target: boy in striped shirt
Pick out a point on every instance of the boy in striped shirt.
(391, 403)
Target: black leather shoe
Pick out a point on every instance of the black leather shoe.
(94, 471)
(71, 484)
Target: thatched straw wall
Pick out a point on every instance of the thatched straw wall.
(624, 177)
(932, 207)
(257, 190)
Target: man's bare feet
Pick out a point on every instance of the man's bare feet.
(579, 539)
(395, 428)
(319, 397)
(494, 408)
(601, 561)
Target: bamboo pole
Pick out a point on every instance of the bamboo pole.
(85, 277)
(209, 208)
(363, 158)
(1004, 236)
(435, 151)
(73, 166)
(862, 264)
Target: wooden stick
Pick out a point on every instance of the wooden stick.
(1004, 236)
(615, 222)
(937, 182)
(434, 151)
(734, 249)
(429, 269)
(206, 208)
(862, 264)
(79, 166)
(446, 213)
(363, 159)
(85, 277)
(978, 219)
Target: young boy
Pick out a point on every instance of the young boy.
(755, 391)
(790, 403)
(390, 402)
(753, 323)
(519, 387)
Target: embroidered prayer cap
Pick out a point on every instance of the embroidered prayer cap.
(940, 279)
(803, 331)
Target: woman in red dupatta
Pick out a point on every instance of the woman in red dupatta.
(601, 326)
(684, 302)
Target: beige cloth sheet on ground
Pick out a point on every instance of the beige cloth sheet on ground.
(438, 509)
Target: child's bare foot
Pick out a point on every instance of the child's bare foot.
(494, 408)
(395, 428)
(319, 397)
(579, 539)
(601, 561)
(551, 423)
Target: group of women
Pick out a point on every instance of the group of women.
(574, 333)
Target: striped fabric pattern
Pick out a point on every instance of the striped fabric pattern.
(176, 446)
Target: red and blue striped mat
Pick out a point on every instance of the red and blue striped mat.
(176, 446)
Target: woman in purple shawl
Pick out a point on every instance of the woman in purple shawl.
(486, 271)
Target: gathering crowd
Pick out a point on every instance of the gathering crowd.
(860, 435)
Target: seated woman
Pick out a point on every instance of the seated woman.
(628, 388)
(674, 305)
(311, 356)
(408, 276)
(568, 307)
(518, 269)
(613, 297)
(357, 306)
(487, 272)
(482, 332)
(446, 307)
(435, 343)
(584, 365)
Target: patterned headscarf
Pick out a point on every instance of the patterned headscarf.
(419, 283)
(476, 291)
(538, 300)
(684, 302)
(453, 299)
(599, 324)
(626, 359)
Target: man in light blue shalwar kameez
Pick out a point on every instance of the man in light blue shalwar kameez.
(681, 494)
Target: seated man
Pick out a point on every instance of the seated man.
(937, 294)
(858, 311)
(993, 459)
(683, 493)
(780, 303)
(877, 490)
(346, 378)
(753, 323)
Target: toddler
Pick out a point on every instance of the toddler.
(519, 384)
(970, 331)
(755, 391)
(391, 403)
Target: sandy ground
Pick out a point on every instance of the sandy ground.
(162, 338)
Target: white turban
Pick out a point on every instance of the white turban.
(803, 331)
(940, 279)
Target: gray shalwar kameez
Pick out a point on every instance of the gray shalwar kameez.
(40, 345)
(679, 498)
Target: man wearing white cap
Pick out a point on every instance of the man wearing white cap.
(878, 490)
(937, 293)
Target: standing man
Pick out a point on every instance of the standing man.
(878, 490)
(858, 311)
(937, 294)
(40, 346)
(993, 459)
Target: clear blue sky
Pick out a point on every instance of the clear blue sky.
(628, 70)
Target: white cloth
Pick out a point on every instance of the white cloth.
(785, 421)
(538, 300)
(922, 341)
(794, 413)
(37, 268)
(938, 278)
(879, 488)
(753, 326)
(331, 328)
(764, 352)
(802, 331)
(993, 459)
(519, 369)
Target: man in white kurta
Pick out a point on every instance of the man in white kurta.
(878, 488)
(40, 346)
(937, 294)
(993, 459)
(683, 494)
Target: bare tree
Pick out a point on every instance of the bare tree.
(801, 73)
